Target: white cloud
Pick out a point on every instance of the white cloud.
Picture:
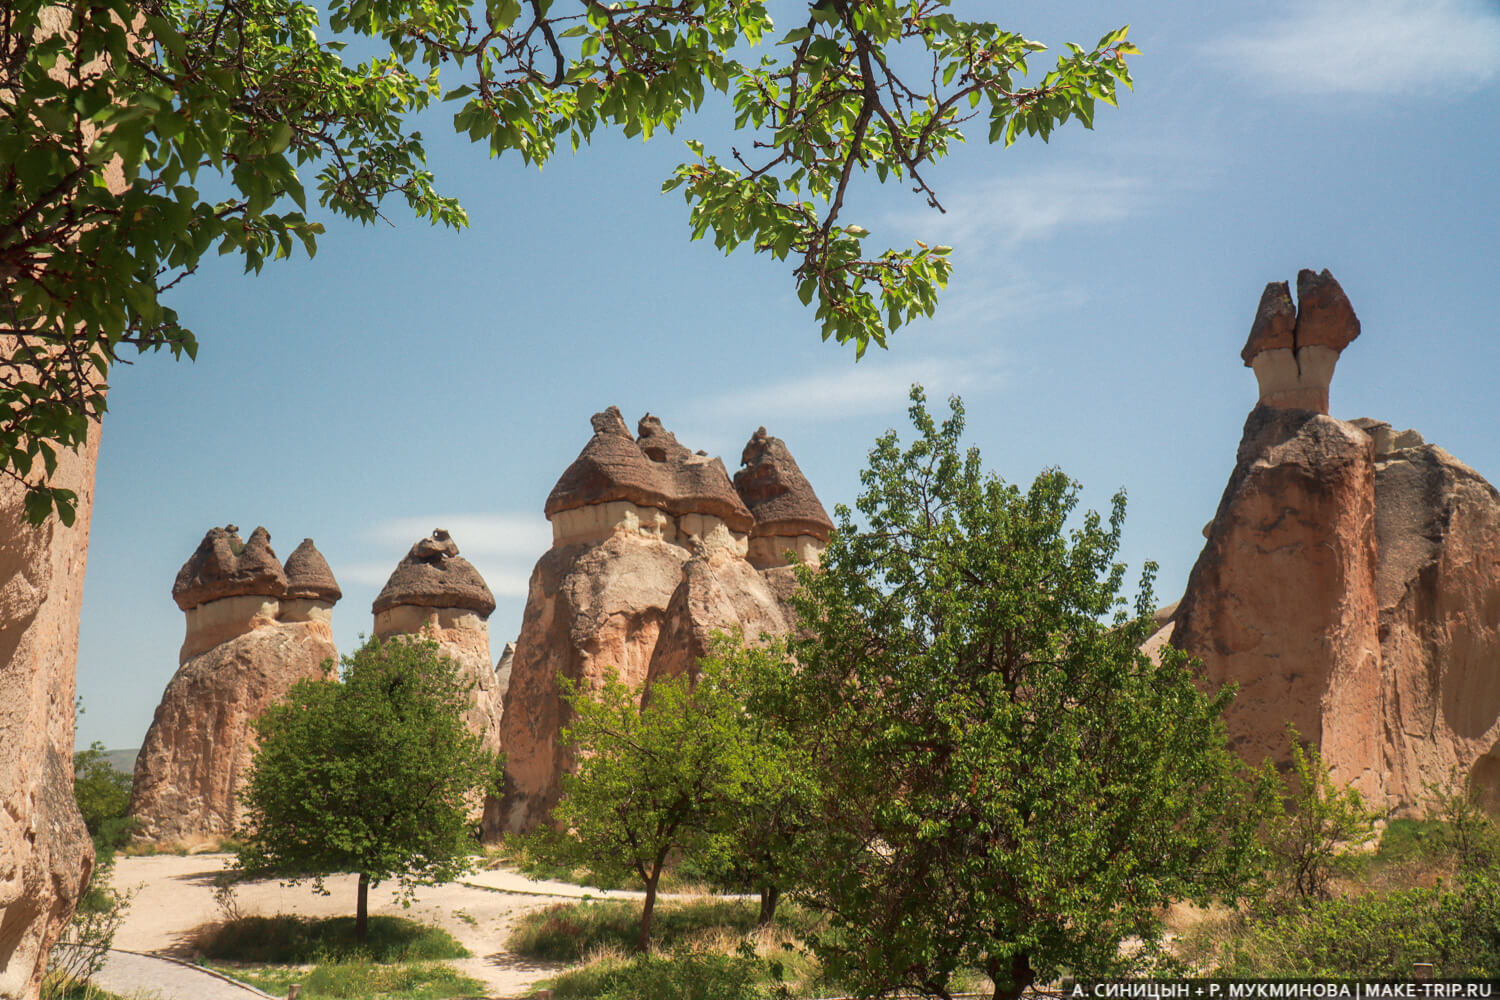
(1018, 209)
(495, 535)
(1375, 47)
(848, 389)
(503, 547)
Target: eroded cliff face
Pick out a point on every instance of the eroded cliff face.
(1282, 600)
(1350, 583)
(654, 549)
(45, 852)
(254, 629)
(1437, 525)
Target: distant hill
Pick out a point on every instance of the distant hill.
(122, 760)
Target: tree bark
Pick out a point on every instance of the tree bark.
(362, 909)
(1020, 976)
(644, 944)
(770, 895)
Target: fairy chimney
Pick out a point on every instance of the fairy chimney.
(254, 628)
(654, 550)
(1293, 350)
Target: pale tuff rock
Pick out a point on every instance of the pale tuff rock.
(253, 630)
(1350, 583)
(45, 851)
(436, 594)
(654, 549)
(1294, 351)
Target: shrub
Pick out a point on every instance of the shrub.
(682, 975)
(293, 940)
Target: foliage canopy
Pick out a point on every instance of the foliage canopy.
(374, 776)
(237, 95)
(1006, 783)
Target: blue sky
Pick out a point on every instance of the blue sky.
(410, 378)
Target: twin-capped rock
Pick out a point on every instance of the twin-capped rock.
(254, 628)
(654, 549)
(1350, 583)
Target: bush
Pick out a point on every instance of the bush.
(1313, 836)
(1378, 936)
(567, 932)
(681, 976)
(293, 940)
(364, 980)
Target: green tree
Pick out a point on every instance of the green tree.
(375, 776)
(1315, 831)
(103, 795)
(757, 831)
(651, 779)
(1006, 782)
(240, 94)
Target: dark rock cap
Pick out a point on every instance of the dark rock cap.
(309, 576)
(1324, 316)
(433, 576)
(223, 566)
(778, 495)
(652, 471)
(1275, 322)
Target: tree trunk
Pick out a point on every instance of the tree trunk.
(1011, 983)
(644, 944)
(362, 910)
(770, 895)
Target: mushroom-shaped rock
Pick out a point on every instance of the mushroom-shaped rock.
(433, 575)
(788, 514)
(1294, 356)
(223, 566)
(308, 575)
(610, 467)
(652, 484)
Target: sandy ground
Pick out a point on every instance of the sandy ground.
(174, 897)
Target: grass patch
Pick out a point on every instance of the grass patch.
(569, 932)
(361, 980)
(292, 940)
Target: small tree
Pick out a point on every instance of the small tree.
(103, 795)
(757, 832)
(650, 781)
(375, 776)
(1471, 832)
(1006, 782)
(1314, 834)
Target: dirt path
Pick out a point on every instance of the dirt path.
(174, 897)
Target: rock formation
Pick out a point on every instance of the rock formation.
(254, 629)
(654, 549)
(1350, 583)
(438, 594)
(45, 852)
